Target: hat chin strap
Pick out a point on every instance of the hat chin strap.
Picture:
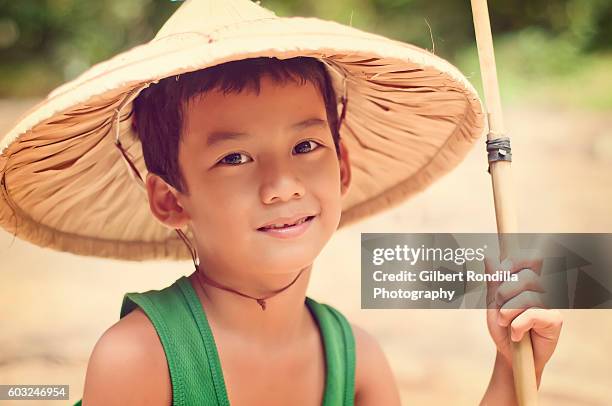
(261, 301)
(204, 279)
(133, 170)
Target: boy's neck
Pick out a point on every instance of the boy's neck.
(285, 320)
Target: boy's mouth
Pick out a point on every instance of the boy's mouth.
(285, 224)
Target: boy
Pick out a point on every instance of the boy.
(238, 117)
(257, 148)
(287, 165)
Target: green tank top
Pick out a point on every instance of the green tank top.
(191, 352)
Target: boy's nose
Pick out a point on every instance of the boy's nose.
(281, 184)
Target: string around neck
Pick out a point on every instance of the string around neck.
(261, 301)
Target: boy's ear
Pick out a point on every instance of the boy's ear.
(345, 169)
(164, 203)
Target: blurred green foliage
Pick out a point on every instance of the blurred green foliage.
(44, 43)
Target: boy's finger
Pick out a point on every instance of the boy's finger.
(517, 305)
(546, 323)
(535, 264)
(528, 281)
(493, 266)
(513, 264)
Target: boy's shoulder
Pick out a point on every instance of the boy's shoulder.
(128, 364)
(374, 381)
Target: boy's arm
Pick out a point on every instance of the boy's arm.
(125, 367)
(545, 326)
(374, 381)
(516, 309)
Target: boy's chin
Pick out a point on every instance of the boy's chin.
(281, 266)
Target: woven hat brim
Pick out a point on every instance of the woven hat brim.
(411, 118)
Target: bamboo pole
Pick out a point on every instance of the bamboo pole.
(522, 353)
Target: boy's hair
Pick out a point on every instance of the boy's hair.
(159, 109)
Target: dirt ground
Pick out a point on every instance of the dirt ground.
(55, 305)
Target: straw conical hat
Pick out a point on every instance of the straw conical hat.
(411, 118)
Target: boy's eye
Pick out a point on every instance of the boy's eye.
(305, 146)
(232, 159)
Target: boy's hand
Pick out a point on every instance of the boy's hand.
(519, 305)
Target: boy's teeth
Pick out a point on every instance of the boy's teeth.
(286, 225)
